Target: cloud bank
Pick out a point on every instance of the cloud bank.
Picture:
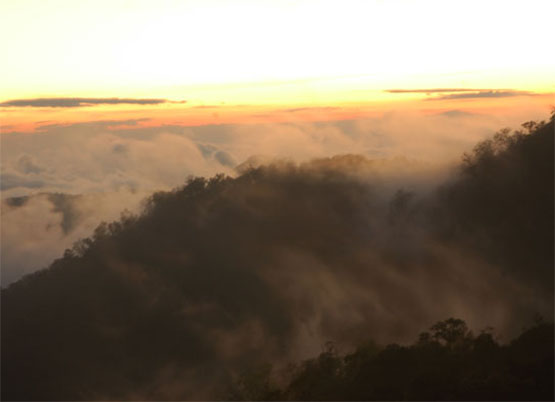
(117, 162)
(107, 155)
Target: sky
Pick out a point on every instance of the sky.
(207, 62)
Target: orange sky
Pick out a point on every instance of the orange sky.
(252, 61)
(31, 118)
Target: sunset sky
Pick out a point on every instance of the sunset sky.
(205, 62)
(273, 199)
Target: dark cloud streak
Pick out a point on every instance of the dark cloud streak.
(483, 94)
(431, 90)
(462, 93)
(82, 102)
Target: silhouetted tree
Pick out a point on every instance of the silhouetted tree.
(447, 363)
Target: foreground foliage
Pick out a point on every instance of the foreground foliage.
(447, 363)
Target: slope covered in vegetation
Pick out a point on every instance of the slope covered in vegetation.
(230, 273)
(446, 363)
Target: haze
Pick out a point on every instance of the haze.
(258, 178)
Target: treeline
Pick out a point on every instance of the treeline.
(447, 363)
(501, 203)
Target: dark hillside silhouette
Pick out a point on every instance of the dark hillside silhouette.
(502, 202)
(225, 274)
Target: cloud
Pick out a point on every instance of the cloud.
(430, 90)
(310, 109)
(94, 125)
(37, 228)
(107, 155)
(81, 102)
(120, 148)
(26, 165)
(65, 204)
(455, 113)
(463, 93)
(225, 159)
(483, 94)
(9, 181)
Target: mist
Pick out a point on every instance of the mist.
(107, 167)
(269, 263)
(37, 228)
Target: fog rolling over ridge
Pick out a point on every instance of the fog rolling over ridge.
(37, 228)
(225, 273)
(59, 185)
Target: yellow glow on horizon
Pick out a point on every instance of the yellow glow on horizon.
(290, 51)
(32, 119)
